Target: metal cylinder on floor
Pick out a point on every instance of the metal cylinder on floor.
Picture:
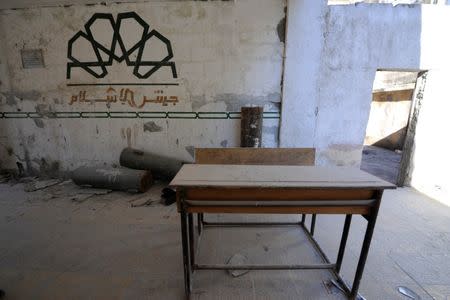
(113, 178)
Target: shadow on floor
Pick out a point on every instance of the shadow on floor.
(381, 162)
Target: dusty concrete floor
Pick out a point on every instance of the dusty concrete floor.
(381, 162)
(52, 247)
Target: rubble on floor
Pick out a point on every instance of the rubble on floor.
(36, 184)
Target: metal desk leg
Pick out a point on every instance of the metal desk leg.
(348, 220)
(372, 218)
(303, 218)
(186, 258)
(191, 239)
(199, 223)
(313, 224)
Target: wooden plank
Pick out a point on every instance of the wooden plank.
(256, 156)
(245, 194)
(251, 126)
(195, 175)
(393, 96)
(281, 209)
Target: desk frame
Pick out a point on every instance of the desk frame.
(369, 212)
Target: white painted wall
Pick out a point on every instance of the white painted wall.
(228, 54)
(332, 55)
(351, 42)
(430, 162)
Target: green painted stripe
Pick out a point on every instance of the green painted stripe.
(68, 115)
(153, 115)
(234, 115)
(15, 115)
(95, 114)
(182, 115)
(35, 115)
(215, 115)
(123, 114)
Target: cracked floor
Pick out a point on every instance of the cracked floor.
(56, 244)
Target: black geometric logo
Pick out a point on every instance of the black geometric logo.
(124, 53)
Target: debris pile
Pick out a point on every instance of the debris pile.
(135, 174)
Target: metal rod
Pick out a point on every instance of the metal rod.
(186, 262)
(334, 268)
(191, 238)
(340, 256)
(265, 267)
(250, 224)
(326, 260)
(342, 283)
(199, 224)
(197, 246)
(313, 224)
(365, 247)
(315, 244)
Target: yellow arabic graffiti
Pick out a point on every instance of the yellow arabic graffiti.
(125, 96)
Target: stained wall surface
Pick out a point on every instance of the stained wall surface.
(226, 54)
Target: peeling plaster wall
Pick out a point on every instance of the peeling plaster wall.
(4, 86)
(332, 54)
(227, 54)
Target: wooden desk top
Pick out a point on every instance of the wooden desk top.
(258, 176)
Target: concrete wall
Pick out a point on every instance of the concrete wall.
(334, 93)
(430, 160)
(390, 108)
(387, 124)
(332, 55)
(227, 54)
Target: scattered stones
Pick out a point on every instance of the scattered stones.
(143, 201)
(40, 185)
(94, 191)
(5, 178)
(236, 260)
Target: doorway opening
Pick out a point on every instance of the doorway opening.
(396, 99)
